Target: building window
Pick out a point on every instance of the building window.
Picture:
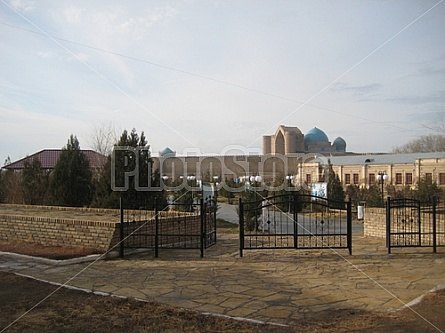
(441, 178)
(355, 178)
(398, 178)
(308, 178)
(371, 178)
(408, 178)
(347, 178)
(428, 177)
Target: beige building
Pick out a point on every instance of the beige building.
(401, 169)
(302, 158)
(304, 169)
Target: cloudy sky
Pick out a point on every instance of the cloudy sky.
(206, 75)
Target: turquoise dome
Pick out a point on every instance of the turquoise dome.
(315, 135)
(167, 152)
(339, 144)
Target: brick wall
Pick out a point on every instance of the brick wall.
(97, 235)
(42, 225)
(374, 222)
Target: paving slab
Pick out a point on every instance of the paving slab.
(280, 286)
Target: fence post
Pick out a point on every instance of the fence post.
(388, 224)
(295, 218)
(419, 222)
(241, 227)
(121, 229)
(434, 225)
(214, 210)
(202, 238)
(349, 225)
(156, 229)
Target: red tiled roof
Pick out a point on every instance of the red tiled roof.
(48, 159)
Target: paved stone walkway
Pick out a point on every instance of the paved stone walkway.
(280, 286)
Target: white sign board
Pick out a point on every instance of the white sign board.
(320, 190)
(208, 191)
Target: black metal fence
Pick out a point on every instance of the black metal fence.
(295, 221)
(177, 226)
(411, 223)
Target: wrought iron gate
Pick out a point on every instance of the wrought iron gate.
(177, 226)
(295, 221)
(411, 223)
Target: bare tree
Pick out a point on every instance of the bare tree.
(427, 143)
(103, 137)
(11, 191)
(424, 144)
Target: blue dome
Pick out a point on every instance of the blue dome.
(339, 144)
(167, 152)
(315, 135)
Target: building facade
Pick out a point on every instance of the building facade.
(290, 140)
(304, 169)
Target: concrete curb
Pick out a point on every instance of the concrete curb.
(417, 300)
(54, 262)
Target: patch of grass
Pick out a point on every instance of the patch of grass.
(226, 226)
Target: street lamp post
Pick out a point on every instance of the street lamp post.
(215, 187)
(381, 178)
(289, 179)
(192, 178)
(255, 179)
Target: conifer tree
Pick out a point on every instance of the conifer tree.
(34, 183)
(335, 187)
(71, 180)
(124, 159)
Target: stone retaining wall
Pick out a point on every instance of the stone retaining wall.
(96, 235)
(69, 226)
(374, 222)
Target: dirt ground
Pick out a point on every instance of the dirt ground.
(29, 306)
(50, 252)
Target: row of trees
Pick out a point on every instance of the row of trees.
(70, 183)
(73, 182)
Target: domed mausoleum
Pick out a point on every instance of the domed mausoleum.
(287, 140)
(167, 152)
(315, 135)
(339, 144)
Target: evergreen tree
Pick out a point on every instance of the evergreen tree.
(34, 183)
(104, 196)
(426, 190)
(335, 187)
(227, 191)
(71, 180)
(373, 196)
(124, 160)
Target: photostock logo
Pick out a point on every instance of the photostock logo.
(235, 169)
(131, 167)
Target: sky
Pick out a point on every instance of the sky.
(215, 76)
